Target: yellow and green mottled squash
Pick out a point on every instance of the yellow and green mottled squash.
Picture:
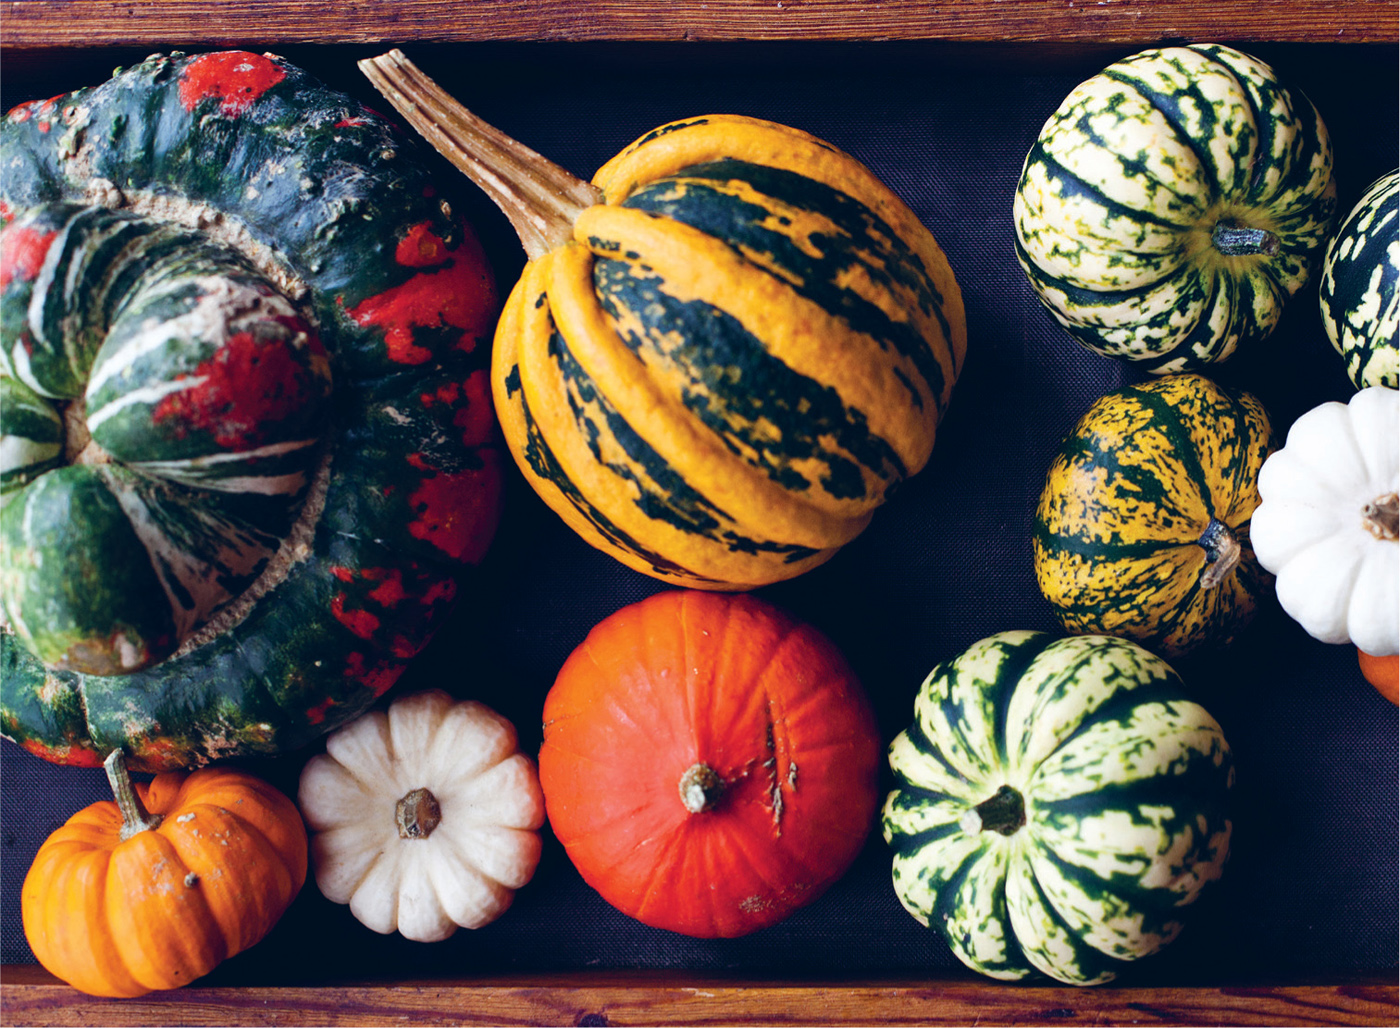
(1173, 203)
(1058, 805)
(724, 353)
(1142, 529)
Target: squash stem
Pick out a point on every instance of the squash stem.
(135, 818)
(1383, 517)
(541, 199)
(1238, 241)
(700, 788)
(1222, 553)
(417, 814)
(1004, 812)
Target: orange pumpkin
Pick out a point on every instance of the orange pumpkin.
(1382, 672)
(709, 763)
(154, 890)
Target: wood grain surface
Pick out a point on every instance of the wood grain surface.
(57, 23)
(30, 996)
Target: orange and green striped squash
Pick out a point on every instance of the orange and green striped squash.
(1142, 530)
(724, 353)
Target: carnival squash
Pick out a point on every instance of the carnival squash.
(424, 817)
(1143, 526)
(154, 890)
(248, 437)
(1360, 291)
(1328, 523)
(708, 763)
(1058, 803)
(724, 353)
(1173, 203)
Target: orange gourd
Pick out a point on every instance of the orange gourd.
(154, 890)
(709, 763)
(1382, 672)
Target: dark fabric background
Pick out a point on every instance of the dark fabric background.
(1312, 884)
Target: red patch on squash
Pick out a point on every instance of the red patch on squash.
(457, 512)
(72, 756)
(22, 252)
(247, 386)
(235, 78)
(457, 293)
(378, 676)
(361, 622)
(318, 713)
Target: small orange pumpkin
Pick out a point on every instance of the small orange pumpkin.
(709, 763)
(154, 890)
(1382, 672)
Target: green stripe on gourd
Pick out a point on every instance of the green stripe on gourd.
(335, 225)
(31, 437)
(1058, 804)
(1172, 204)
(1360, 290)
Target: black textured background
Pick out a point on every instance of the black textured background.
(1312, 884)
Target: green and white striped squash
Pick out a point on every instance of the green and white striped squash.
(1059, 803)
(1173, 203)
(1142, 528)
(247, 437)
(724, 353)
(1360, 290)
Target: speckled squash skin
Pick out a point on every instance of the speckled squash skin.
(1058, 805)
(736, 357)
(329, 204)
(1142, 529)
(1173, 203)
(1360, 289)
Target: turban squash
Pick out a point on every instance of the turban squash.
(248, 431)
(724, 353)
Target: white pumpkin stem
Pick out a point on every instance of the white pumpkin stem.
(135, 818)
(700, 788)
(541, 199)
(1222, 553)
(417, 814)
(1383, 517)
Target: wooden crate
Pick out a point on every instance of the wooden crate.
(53, 46)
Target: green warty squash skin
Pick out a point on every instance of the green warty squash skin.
(1173, 203)
(1058, 803)
(1360, 287)
(244, 287)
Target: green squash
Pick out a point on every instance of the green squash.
(247, 440)
(1142, 528)
(1360, 290)
(1058, 804)
(1173, 203)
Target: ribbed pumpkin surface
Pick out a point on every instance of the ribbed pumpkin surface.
(1132, 200)
(1058, 803)
(1142, 529)
(223, 453)
(1360, 289)
(734, 360)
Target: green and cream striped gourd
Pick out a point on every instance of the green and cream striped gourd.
(1173, 203)
(1360, 290)
(1059, 802)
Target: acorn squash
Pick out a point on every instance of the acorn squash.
(248, 438)
(724, 354)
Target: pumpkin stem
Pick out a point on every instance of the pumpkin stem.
(135, 818)
(700, 788)
(1239, 241)
(1004, 812)
(417, 814)
(78, 447)
(1383, 517)
(540, 198)
(1222, 553)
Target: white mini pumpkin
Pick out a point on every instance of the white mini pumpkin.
(1326, 523)
(424, 817)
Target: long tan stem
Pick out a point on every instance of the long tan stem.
(540, 198)
(135, 817)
